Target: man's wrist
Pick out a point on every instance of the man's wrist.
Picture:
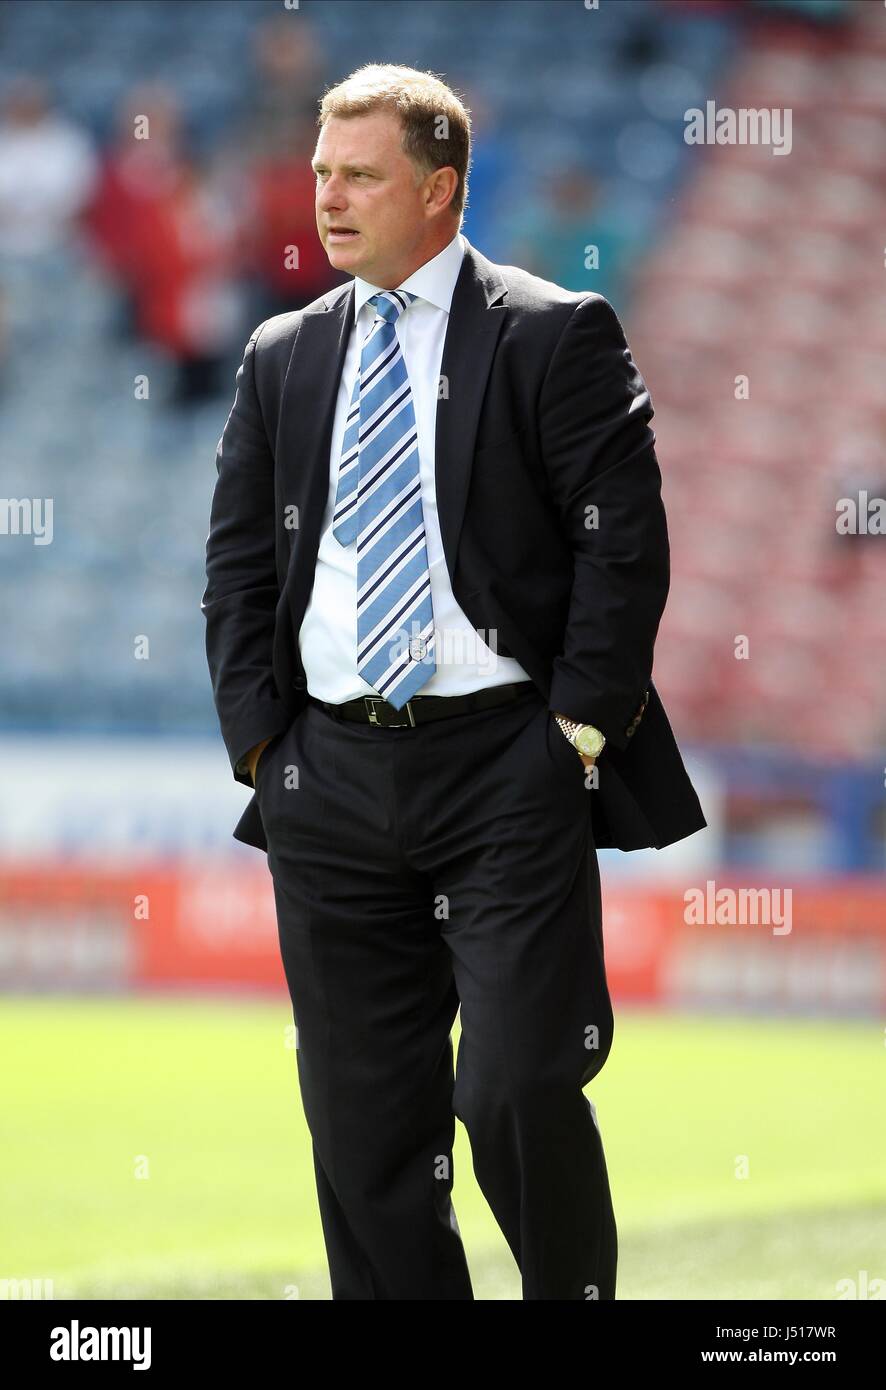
(252, 757)
(587, 740)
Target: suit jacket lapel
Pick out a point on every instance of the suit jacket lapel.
(304, 432)
(475, 320)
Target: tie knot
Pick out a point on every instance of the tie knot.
(390, 304)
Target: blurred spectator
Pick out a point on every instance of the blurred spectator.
(813, 10)
(288, 81)
(818, 11)
(168, 235)
(140, 169)
(552, 235)
(859, 483)
(284, 257)
(187, 299)
(492, 165)
(47, 171)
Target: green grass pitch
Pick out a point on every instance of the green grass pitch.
(156, 1148)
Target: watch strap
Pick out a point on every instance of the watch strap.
(571, 727)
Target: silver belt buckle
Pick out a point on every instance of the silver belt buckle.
(370, 701)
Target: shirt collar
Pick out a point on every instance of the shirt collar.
(433, 281)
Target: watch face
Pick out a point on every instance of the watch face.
(589, 741)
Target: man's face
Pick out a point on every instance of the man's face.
(365, 183)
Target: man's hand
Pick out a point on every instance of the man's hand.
(253, 756)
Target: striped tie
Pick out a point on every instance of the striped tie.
(378, 502)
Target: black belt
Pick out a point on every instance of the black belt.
(374, 709)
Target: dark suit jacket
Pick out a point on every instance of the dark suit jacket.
(542, 414)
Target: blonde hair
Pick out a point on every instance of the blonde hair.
(436, 125)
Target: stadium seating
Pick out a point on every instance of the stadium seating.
(750, 264)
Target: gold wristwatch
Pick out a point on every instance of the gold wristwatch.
(584, 737)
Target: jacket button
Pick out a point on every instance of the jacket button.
(632, 727)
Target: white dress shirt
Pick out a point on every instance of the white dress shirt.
(328, 635)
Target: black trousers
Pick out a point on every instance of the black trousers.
(417, 870)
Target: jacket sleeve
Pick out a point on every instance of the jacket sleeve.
(599, 455)
(242, 592)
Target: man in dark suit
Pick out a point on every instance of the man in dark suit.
(437, 563)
